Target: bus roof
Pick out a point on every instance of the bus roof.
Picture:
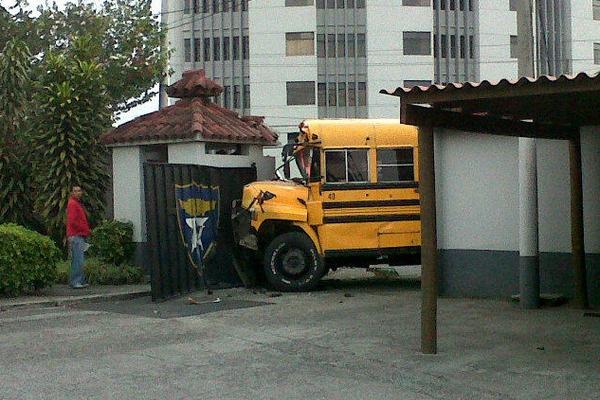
(332, 133)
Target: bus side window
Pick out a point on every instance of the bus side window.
(344, 166)
(315, 167)
(395, 165)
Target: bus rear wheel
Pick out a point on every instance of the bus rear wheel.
(292, 263)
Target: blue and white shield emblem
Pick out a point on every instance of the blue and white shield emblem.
(198, 218)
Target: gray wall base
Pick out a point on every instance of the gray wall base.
(495, 274)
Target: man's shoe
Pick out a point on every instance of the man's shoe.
(80, 286)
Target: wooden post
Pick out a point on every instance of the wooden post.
(429, 283)
(577, 238)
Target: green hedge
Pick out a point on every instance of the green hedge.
(112, 242)
(98, 272)
(27, 260)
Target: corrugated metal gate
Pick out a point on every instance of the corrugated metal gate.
(188, 220)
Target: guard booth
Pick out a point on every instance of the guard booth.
(174, 174)
(188, 219)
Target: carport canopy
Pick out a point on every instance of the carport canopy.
(546, 107)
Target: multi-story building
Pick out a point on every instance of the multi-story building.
(295, 59)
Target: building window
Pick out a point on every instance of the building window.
(246, 96)
(244, 5)
(344, 166)
(361, 45)
(225, 5)
(215, 6)
(246, 47)
(351, 46)
(226, 96)
(206, 49)
(205, 9)
(322, 94)
(513, 4)
(462, 46)
(331, 45)
(298, 3)
(321, 45)
(187, 50)
(236, 47)
(409, 83)
(230, 149)
(226, 48)
(360, 3)
(514, 46)
(596, 9)
(351, 94)
(342, 94)
(436, 48)
(341, 45)
(340, 4)
(330, 3)
(234, 6)
(300, 93)
(186, 6)
(299, 44)
(216, 49)
(362, 94)
(416, 3)
(417, 43)
(471, 46)
(452, 4)
(395, 165)
(597, 53)
(331, 86)
(197, 49)
(452, 46)
(461, 5)
(236, 96)
(444, 46)
(350, 3)
(320, 4)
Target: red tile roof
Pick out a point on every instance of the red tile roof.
(191, 117)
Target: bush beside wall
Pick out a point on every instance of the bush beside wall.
(27, 260)
(112, 242)
(98, 272)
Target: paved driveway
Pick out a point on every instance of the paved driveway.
(353, 339)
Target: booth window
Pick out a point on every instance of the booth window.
(395, 165)
(343, 166)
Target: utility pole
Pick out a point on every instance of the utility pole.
(163, 99)
(529, 262)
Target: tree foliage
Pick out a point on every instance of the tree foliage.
(15, 88)
(125, 38)
(72, 110)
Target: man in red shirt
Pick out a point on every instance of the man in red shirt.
(78, 230)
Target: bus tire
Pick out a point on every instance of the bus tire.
(292, 263)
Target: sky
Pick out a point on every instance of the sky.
(145, 108)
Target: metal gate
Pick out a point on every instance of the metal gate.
(188, 220)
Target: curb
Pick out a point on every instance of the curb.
(65, 301)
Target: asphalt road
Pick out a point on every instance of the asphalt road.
(352, 339)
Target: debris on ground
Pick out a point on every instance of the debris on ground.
(348, 295)
(275, 294)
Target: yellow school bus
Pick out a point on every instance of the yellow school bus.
(355, 204)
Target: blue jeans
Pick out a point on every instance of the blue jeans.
(76, 276)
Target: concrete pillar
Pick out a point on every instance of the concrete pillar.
(529, 267)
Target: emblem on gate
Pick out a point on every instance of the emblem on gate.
(198, 218)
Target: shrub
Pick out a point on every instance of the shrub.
(98, 272)
(27, 260)
(112, 242)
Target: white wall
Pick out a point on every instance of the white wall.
(496, 24)
(195, 153)
(128, 189)
(584, 31)
(590, 159)
(477, 192)
(270, 68)
(387, 65)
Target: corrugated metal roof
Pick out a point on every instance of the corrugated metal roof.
(502, 84)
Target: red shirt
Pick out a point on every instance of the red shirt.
(77, 223)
